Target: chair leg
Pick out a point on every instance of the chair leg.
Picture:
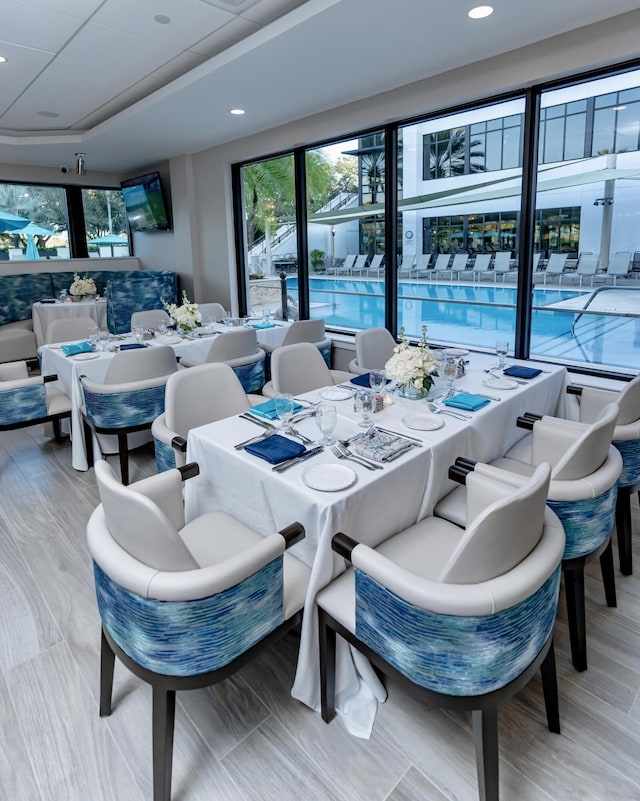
(485, 737)
(123, 453)
(623, 527)
(608, 575)
(164, 713)
(574, 590)
(327, 668)
(550, 690)
(88, 443)
(107, 662)
(57, 431)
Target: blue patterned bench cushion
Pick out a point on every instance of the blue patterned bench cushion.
(186, 638)
(64, 280)
(143, 292)
(587, 523)
(22, 404)
(452, 654)
(19, 292)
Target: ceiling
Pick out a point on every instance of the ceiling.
(134, 82)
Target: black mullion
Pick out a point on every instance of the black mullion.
(526, 233)
(238, 237)
(302, 237)
(77, 229)
(391, 228)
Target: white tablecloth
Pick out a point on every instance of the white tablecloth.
(45, 313)
(377, 506)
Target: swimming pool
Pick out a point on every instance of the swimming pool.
(477, 315)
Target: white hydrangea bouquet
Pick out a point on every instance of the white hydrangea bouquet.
(82, 287)
(412, 368)
(187, 316)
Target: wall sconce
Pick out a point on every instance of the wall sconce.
(603, 201)
(80, 168)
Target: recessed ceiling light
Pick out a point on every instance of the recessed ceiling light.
(619, 108)
(237, 111)
(47, 113)
(2, 59)
(480, 12)
(162, 19)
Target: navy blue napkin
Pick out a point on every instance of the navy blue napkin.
(363, 380)
(521, 372)
(132, 346)
(276, 449)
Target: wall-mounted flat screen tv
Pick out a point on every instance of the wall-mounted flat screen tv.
(144, 203)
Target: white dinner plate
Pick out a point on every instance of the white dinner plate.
(85, 357)
(55, 347)
(423, 422)
(329, 477)
(335, 394)
(499, 383)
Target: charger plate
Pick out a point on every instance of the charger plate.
(335, 394)
(499, 383)
(329, 477)
(423, 422)
(85, 357)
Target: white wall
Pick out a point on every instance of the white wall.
(588, 47)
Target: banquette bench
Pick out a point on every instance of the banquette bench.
(126, 291)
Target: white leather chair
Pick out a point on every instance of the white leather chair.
(184, 606)
(304, 331)
(584, 473)
(626, 438)
(374, 348)
(29, 400)
(239, 349)
(300, 368)
(67, 329)
(151, 318)
(215, 310)
(194, 398)
(464, 615)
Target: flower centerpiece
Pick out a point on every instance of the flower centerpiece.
(82, 288)
(186, 317)
(412, 368)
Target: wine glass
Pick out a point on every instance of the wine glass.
(502, 348)
(326, 420)
(450, 370)
(377, 381)
(365, 405)
(93, 336)
(284, 409)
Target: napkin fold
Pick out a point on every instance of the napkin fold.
(132, 346)
(263, 325)
(268, 409)
(466, 401)
(363, 380)
(275, 449)
(76, 347)
(380, 446)
(517, 371)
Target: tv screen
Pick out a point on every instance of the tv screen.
(144, 203)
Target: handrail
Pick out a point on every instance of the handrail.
(591, 299)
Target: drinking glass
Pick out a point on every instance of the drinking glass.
(326, 420)
(103, 340)
(450, 370)
(502, 348)
(377, 381)
(93, 336)
(162, 329)
(284, 409)
(365, 404)
(138, 333)
(210, 324)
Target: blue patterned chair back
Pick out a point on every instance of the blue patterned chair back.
(145, 291)
(124, 405)
(22, 401)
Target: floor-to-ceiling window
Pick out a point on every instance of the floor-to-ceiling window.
(33, 222)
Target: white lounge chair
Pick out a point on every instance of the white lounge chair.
(502, 265)
(587, 266)
(405, 269)
(442, 265)
(619, 264)
(481, 265)
(459, 264)
(555, 266)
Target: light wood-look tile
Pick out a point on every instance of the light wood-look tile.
(414, 787)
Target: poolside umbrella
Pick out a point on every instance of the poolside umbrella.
(11, 222)
(109, 239)
(31, 230)
(31, 251)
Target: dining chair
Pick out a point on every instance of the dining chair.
(374, 348)
(195, 397)
(461, 616)
(69, 328)
(239, 349)
(302, 331)
(29, 400)
(151, 318)
(626, 438)
(215, 310)
(300, 368)
(585, 468)
(129, 399)
(184, 606)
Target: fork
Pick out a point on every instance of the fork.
(339, 451)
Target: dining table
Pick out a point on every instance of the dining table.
(45, 313)
(194, 347)
(368, 505)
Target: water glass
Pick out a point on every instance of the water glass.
(210, 323)
(284, 409)
(162, 329)
(502, 348)
(326, 420)
(365, 405)
(450, 369)
(377, 381)
(138, 333)
(103, 340)
(93, 336)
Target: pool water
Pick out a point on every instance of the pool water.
(477, 315)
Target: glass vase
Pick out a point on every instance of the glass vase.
(411, 392)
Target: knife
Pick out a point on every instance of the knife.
(488, 397)
(257, 421)
(279, 468)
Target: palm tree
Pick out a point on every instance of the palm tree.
(447, 155)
